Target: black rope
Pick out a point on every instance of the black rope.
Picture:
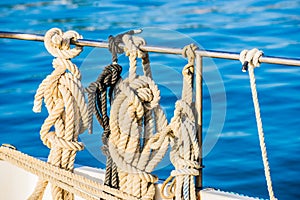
(100, 92)
(107, 81)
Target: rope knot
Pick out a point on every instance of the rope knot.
(182, 108)
(189, 52)
(185, 171)
(64, 99)
(250, 58)
(132, 45)
(57, 43)
(135, 118)
(107, 79)
(156, 140)
(111, 74)
(57, 39)
(145, 95)
(59, 142)
(142, 92)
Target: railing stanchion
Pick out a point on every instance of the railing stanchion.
(198, 106)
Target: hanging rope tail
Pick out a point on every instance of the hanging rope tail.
(64, 99)
(250, 60)
(97, 104)
(185, 149)
(139, 133)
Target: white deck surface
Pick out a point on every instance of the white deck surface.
(17, 184)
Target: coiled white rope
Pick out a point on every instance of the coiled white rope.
(140, 134)
(74, 183)
(250, 60)
(185, 150)
(135, 118)
(63, 95)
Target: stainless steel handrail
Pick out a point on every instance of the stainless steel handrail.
(203, 53)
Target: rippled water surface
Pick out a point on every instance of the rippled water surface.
(232, 155)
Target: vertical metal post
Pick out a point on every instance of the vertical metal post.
(198, 106)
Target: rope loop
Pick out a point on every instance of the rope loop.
(58, 43)
(251, 58)
(189, 52)
(97, 94)
(132, 43)
(185, 149)
(168, 188)
(133, 51)
(115, 41)
(63, 95)
(138, 125)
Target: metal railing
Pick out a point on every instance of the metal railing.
(199, 69)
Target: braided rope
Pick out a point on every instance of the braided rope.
(64, 99)
(97, 104)
(97, 95)
(74, 183)
(135, 113)
(185, 150)
(251, 58)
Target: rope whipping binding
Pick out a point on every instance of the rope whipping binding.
(97, 103)
(250, 60)
(185, 149)
(63, 95)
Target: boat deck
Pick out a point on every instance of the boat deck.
(18, 184)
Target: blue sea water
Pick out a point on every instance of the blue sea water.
(232, 154)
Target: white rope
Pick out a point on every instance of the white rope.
(74, 183)
(139, 138)
(185, 149)
(140, 134)
(252, 59)
(64, 99)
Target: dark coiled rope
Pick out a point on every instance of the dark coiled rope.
(97, 104)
